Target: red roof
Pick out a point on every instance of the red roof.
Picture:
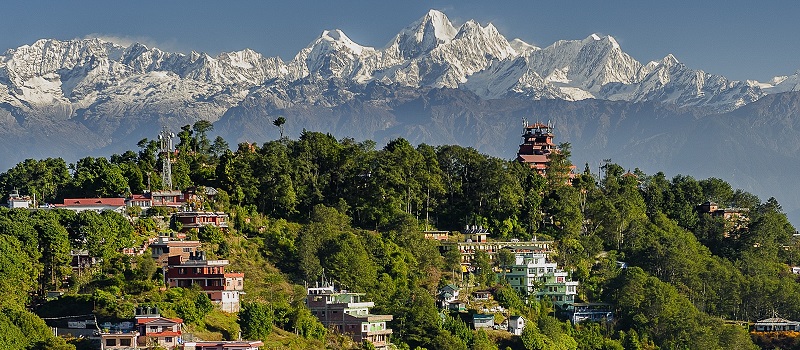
(116, 202)
(533, 158)
(145, 320)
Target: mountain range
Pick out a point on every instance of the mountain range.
(433, 82)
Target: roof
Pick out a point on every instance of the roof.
(482, 317)
(537, 126)
(211, 191)
(117, 202)
(177, 243)
(533, 158)
(452, 287)
(165, 193)
(146, 320)
(775, 320)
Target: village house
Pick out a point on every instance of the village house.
(516, 324)
(15, 200)
(481, 295)
(480, 321)
(532, 274)
(165, 247)
(195, 219)
(476, 239)
(157, 331)
(436, 235)
(171, 198)
(447, 295)
(81, 260)
(735, 218)
(595, 312)
(94, 204)
(223, 288)
(776, 324)
(119, 340)
(346, 313)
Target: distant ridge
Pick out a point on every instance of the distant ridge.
(433, 82)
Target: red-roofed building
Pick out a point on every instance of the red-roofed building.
(96, 204)
(223, 288)
(195, 219)
(159, 331)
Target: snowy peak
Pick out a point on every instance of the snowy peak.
(669, 61)
(430, 52)
(333, 55)
(434, 23)
(783, 83)
(522, 47)
(423, 35)
(338, 40)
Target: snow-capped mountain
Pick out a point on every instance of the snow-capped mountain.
(65, 79)
(434, 82)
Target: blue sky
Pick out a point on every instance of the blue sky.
(738, 39)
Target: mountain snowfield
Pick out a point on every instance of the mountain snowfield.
(64, 78)
(433, 82)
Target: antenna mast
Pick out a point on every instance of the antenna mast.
(165, 141)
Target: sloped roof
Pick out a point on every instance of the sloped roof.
(775, 320)
(116, 202)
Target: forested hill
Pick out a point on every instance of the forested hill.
(355, 210)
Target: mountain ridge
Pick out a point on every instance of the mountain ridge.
(433, 82)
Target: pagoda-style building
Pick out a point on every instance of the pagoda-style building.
(537, 145)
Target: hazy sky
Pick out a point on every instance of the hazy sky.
(738, 39)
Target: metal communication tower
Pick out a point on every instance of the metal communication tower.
(165, 140)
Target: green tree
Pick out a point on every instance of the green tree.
(279, 121)
(18, 275)
(255, 319)
(481, 341)
(55, 247)
(97, 177)
(484, 271)
(45, 179)
(307, 325)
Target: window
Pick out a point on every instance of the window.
(168, 339)
(111, 342)
(125, 342)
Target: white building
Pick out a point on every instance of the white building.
(516, 324)
(532, 274)
(17, 201)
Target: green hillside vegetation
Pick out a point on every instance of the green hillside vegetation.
(301, 208)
